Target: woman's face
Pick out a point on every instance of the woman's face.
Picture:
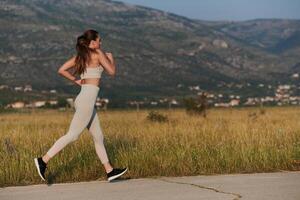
(95, 44)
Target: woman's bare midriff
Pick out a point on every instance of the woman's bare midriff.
(93, 81)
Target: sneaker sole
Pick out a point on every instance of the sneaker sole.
(116, 176)
(38, 168)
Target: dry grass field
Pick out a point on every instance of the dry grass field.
(243, 140)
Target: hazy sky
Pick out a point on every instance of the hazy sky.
(226, 9)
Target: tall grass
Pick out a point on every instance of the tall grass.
(226, 141)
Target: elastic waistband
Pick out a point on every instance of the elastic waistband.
(90, 86)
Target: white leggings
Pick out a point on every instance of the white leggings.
(85, 117)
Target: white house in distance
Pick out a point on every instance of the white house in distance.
(196, 87)
(38, 104)
(225, 105)
(154, 103)
(18, 88)
(27, 88)
(295, 75)
(234, 102)
(53, 102)
(2, 87)
(18, 104)
(174, 102)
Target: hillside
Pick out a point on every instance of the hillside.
(155, 51)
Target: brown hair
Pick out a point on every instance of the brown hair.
(83, 51)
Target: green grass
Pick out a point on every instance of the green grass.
(227, 141)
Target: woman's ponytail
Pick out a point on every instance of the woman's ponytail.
(83, 50)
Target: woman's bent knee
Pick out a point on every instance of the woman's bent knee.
(71, 137)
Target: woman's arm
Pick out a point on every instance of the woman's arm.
(107, 62)
(63, 70)
(110, 57)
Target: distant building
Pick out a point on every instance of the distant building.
(173, 102)
(234, 102)
(2, 87)
(284, 87)
(268, 99)
(210, 96)
(154, 103)
(294, 98)
(27, 88)
(197, 88)
(18, 104)
(225, 105)
(38, 104)
(283, 93)
(295, 75)
(251, 101)
(18, 88)
(53, 102)
(163, 100)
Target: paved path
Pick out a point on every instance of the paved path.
(261, 186)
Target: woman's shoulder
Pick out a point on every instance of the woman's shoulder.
(95, 58)
(98, 55)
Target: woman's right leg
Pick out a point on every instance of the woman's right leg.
(96, 131)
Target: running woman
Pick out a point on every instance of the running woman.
(89, 63)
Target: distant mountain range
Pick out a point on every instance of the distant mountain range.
(155, 51)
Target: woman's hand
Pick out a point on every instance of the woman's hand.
(78, 82)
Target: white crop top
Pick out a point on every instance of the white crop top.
(92, 72)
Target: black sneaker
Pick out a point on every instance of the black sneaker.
(115, 173)
(41, 167)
